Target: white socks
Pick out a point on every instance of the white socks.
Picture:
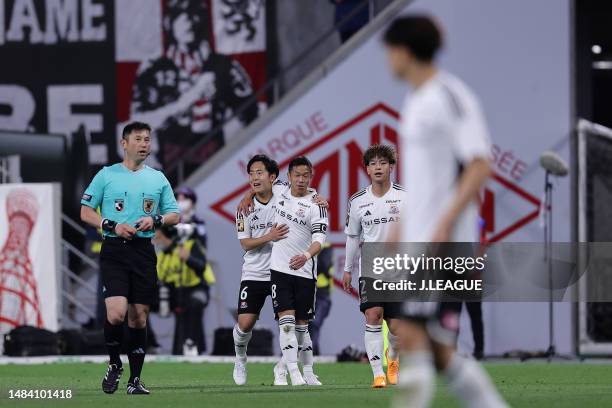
(374, 344)
(288, 341)
(393, 346)
(416, 381)
(304, 346)
(241, 341)
(469, 382)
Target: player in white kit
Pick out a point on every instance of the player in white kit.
(293, 271)
(445, 151)
(256, 232)
(370, 214)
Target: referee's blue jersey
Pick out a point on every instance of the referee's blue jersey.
(125, 195)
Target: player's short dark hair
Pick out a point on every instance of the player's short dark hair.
(134, 126)
(300, 161)
(381, 151)
(270, 165)
(417, 33)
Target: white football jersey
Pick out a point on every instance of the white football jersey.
(256, 264)
(442, 128)
(370, 217)
(304, 219)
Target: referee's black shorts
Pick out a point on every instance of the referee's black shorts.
(129, 269)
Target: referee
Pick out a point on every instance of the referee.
(135, 200)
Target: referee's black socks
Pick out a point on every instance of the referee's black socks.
(136, 351)
(113, 335)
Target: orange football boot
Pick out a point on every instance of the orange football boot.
(392, 369)
(379, 382)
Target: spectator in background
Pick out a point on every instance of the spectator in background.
(325, 283)
(183, 269)
(345, 8)
(186, 199)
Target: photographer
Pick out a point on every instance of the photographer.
(185, 275)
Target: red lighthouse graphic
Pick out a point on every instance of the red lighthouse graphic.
(18, 291)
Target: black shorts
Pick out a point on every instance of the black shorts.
(441, 319)
(129, 269)
(252, 296)
(290, 292)
(391, 310)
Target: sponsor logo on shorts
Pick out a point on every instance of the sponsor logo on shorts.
(243, 305)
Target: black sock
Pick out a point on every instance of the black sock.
(136, 351)
(113, 335)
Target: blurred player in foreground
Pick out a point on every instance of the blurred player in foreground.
(370, 214)
(445, 150)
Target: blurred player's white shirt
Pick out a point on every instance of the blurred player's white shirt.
(442, 128)
(370, 217)
(256, 264)
(305, 220)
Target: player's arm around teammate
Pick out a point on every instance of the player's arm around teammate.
(246, 205)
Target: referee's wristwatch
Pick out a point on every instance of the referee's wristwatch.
(158, 220)
(108, 225)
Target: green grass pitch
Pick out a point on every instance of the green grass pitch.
(187, 385)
